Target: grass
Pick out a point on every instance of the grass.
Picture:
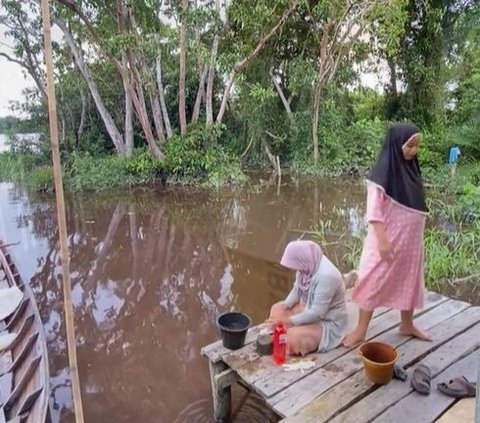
(451, 254)
(452, 239)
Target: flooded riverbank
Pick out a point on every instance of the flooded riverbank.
(151, 269)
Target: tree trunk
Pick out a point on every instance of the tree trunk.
(107, 119)
(200, 95)
(141, 109)
(210, 81)
(62, 129)
(157, 118)
(128, 123)
(182, 71)
(393, 78)
(137, 96)
(226, 94)
(81, 126)
(285, 102)
(240, 66)
(315, 117)
(161, 94)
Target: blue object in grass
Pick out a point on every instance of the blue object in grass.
(454, 153)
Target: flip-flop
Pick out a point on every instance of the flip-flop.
(458, 387)
(421, 379)
(400, 373)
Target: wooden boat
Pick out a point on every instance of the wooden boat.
(24, 375)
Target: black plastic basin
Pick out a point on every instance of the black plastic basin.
(233, 328)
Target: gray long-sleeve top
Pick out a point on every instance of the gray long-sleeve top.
(325, 297)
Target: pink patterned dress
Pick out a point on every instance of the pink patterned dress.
(400, 283)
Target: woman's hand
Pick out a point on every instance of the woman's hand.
(385, 249)
(384, 246)
(285, 321)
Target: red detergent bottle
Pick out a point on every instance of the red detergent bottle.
(280, 345)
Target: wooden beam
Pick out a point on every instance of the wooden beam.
(221, 393)
(225, 379)
(62, 224)
(477, 405)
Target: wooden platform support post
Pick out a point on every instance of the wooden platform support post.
(477, 400)
(221, 379)
(61, 215)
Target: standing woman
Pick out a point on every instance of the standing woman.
(391, 265)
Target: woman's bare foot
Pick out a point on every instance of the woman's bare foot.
(412, 330)
(354, 338)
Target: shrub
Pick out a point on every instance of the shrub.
(198, 157)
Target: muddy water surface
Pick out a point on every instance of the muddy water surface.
(151, 269)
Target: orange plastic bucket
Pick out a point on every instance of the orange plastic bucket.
(378, 361)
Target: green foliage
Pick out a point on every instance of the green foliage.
(346, 150)
(41, 179)
(199, 157)
(87, 173)
(469, 203)
(15, 125)
(17, 167)
(433, 150)
(432, 50)
(143, 167)
(451, 253)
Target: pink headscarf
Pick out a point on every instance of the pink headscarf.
(304, 257)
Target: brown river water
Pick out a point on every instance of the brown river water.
(151, 269)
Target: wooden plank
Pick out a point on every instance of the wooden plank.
(29, 402)
(292, 399)
(380, 399)
(354, 388)
(22, 333)
(6, 383)
(425, 409)
(24, 380)
(12, 321)
(20, 358)
(268, 380)
(247, 354)
(216, 350)
(477, 400)
(463, 411)
(5, 361)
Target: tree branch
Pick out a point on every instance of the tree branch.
(30, 71)
(240, 66)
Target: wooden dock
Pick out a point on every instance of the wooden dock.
(336, 389)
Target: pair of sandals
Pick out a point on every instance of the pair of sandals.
(458, 387)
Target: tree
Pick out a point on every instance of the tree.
(24, 31)
(338, 27)
(425, 46)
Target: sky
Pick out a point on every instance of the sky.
(12, 80)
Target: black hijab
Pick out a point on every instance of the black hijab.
(400, 178)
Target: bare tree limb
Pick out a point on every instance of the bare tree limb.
(277, 86)
(242, 64)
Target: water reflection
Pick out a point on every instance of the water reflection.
(150, 272)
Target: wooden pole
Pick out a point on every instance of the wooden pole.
(477, 401)
(62, 224)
